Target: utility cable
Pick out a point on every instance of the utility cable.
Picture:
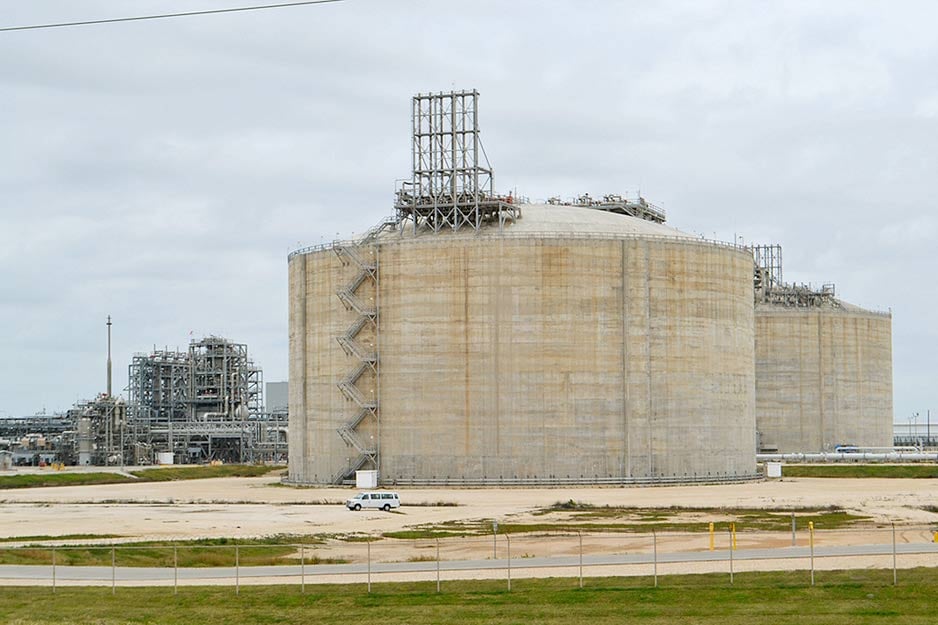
(259, 7)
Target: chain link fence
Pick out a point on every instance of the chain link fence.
(653, 558)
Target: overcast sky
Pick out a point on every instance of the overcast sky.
(161, 171)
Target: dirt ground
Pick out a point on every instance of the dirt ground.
(251, 507)
(257, 507)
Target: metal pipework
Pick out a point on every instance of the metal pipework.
(899, 456)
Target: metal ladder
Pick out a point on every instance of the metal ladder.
(362, 256)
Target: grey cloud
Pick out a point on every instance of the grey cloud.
(160, 172)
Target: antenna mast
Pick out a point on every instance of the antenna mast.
(109, 355)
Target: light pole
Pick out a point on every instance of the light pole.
(928, 427)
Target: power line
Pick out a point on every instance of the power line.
(259, 7)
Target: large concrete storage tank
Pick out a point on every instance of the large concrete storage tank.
(823, 374)
(572, 345)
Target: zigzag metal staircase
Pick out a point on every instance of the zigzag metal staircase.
(362, 256)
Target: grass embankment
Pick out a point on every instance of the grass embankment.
(571, 516)
(208, 552)
(35, 538)
(841, 598)
(35, 480)
(903, 471)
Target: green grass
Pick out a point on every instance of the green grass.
(576, 517)
(168, 474)
(207, 556)
(841, 598)
(34, 480)
(37, 538)
(205, 552)
(61, 479)
(904, 471)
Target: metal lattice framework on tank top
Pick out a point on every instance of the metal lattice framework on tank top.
(453, 183)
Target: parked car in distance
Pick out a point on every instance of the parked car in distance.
(378, 500)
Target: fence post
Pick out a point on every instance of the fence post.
(811, 542)
(895, 578)
(494, 539)
(731, 557)
(113, 570)
(508, 540)
(581, 558)
(53, 570)
(237, 570)
(302, 568)
(369, 564)
(654, 538)
(438, 565)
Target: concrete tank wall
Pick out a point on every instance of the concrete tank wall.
(544, 357)
(823, 378)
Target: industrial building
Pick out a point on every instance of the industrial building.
(476, 338)
(823, 366)
(202, 404)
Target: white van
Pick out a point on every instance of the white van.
(380, 500)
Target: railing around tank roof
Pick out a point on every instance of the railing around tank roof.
(546, 234)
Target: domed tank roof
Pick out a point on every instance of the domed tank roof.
(554, 219)
(558, 220)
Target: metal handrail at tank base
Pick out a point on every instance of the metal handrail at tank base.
(676, 480)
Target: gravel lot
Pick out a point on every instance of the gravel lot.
(247, 507)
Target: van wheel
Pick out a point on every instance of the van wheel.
(358, 507)
(386, 507)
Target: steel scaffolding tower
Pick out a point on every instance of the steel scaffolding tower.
(768, 260)
(452, 184)
(769, 287)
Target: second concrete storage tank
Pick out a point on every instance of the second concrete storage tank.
(823, 376)
(574, 345)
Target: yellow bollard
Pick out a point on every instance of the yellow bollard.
(936, 537)
(711, 537)
(733, 531)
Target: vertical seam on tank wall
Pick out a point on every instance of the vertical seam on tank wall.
(625, 363)
(862, 387)
(800, 380)
(648, 394)
(820, 372)
(890, 379)
(377, 252)
(305, 364)
(498, 353)
(466, 348)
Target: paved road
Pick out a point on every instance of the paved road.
(42, 575)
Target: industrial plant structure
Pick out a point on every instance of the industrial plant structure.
(475, 338)
(199, 405)
(823, 366)
(202, 404)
